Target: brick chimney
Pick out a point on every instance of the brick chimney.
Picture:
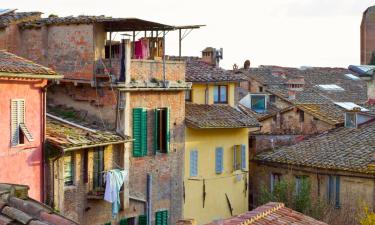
(371, 89)
(246, 65)
(295, 85)
(212, 56)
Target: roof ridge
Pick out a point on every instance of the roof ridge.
(265, 213)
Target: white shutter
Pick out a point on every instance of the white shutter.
(17, 112)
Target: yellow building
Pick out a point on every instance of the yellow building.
(216, 145)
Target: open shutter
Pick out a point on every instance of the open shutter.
(142, 220)
(14, 123)
(167, 129)
(26, 132)
(243, 157)
(165, 217)
(158, 218)
(156, 130)
(193, 163)
(337, 197)
(139, 132)
(219, 160)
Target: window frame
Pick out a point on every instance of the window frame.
(72, 169)
(18, 117)
(98, 182)
(194, 163)
(239, 157)
(189, 95)
(220, 101)
(161, 130)
(355, 117)
(274, 179)
(264, 101)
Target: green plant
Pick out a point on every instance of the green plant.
(154, 80)
(368, 216)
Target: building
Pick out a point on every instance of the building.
(271, 213)
(339, 166)
(79, 155)
(367, 37)
(23, 93)
(16, 207)
(216, 143)
(123, 85)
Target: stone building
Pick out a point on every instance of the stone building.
(367, 36)
(123, 86)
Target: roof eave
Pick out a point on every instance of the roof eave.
(32, 76)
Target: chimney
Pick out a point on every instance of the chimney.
(246, 65)
(212, 56)
(371, 90)
(295, 85)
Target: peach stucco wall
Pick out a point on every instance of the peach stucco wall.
(22, 164)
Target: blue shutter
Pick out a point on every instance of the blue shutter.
(219, 160)
(337, 197)
(330, 188)
(272, 182)
(194, 163)
(243, 157)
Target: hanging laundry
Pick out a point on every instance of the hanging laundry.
(114, 180)
(138, 50)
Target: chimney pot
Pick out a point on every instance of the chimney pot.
(246, 65)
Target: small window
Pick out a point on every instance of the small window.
(194, 163)
(275, 178)
(68, 169)
(258, 103)
(18, 127)
(221, 94)
(300, 181)
(272, 98)
(161, 217)
(301, 116)
(98, 169)
(260, 89)
(333, 192)
(161, 130)
(188, 95)
(239, 157)
(350, 120)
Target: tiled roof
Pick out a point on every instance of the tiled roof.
(15, 66)
(66, 135)
(17, 208)
(11, 17)
(271, 111)
(348, 149)
(217, 116)
(329, 113)
(271, 213)
(199, 71)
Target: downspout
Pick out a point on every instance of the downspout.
(149, 199)
(164, 77)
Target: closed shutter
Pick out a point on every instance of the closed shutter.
(17, 117)
(219, 160)
(139, 132)
(194, 163)
(337, 197)
(330, 188)
(161, 218)
(156, 130)
(167, 129)
(123, 221)
(235, 158)
(142, 220)
(243, 157)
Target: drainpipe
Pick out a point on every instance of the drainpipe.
(149, 198)
(164, 77)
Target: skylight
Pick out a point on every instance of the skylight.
(330, 87)
(351, 76)
(350, 106)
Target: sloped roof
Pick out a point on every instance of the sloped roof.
(271, 111)
(198, 71)
(347, 149)
(110, 23)
(15, 66)
(68, 136)
(271, 213)
(10, 17)
(217, 116)
(17, 208)
(329, 113)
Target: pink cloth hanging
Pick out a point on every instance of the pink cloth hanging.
(138, 50)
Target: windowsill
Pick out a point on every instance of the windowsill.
(23, 147)
(70, 187)
(92, 196)
(220, 102)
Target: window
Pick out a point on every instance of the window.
(68, 169)
(350, 120)
(333, 191)
(98, 168)
(193, 163)
(272, 98)
(161, 217)
(139, 132)
(128, 221)
(258, 103)
(275, 178)
(239, 157)
(300, 181)
(301, 116)
(219, 155)
(260, 89)
(188, 95)
(142, 220)
(330, 87)
(18, 128)
(161, 130)
(221, 94)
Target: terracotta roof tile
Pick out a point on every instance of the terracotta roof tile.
(347, 149)
(217, 116)
(272, 213)
(11, 17)
(14, 66)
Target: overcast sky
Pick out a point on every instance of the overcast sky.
(277, 32)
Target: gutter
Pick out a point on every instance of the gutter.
(96, 145)
(31, 76)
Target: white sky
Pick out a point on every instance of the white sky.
(278, 32)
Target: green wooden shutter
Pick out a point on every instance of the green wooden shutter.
(142, 220)
(139, 132)
(156, 130)
(161, 218)
(167, 129)
(124, 221)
